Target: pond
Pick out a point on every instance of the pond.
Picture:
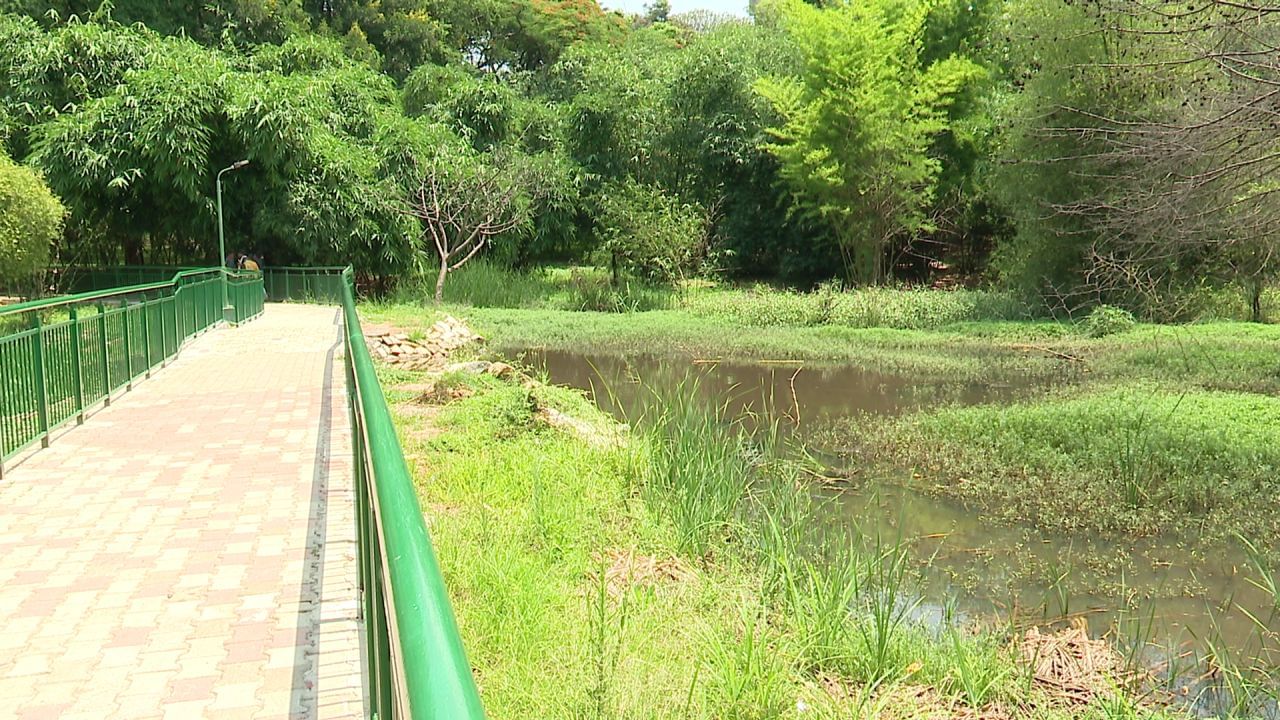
(1166, 601)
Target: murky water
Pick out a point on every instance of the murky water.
(1173, 597)
(813, 392)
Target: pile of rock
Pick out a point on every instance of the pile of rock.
(431, 352)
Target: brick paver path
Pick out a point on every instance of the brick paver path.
(189, 551)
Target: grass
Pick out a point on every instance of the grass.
(759, 611)
(486, 285)
(961, 335)
(1221, 355)
(1136, 458)
(897, 308)
(1140, 429)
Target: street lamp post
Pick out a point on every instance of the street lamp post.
(228, 312)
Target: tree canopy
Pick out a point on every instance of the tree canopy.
(1086, 153)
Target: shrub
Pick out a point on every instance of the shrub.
(651, 234)
(860, 308)
(1107, 320)
(30, 220)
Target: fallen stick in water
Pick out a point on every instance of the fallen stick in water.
(1048, 351)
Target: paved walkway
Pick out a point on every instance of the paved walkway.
(189, 552)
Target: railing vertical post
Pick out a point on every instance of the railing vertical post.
(177, 321)
(146, 334)
(128, 345)
(106, 360)
(75, 365)
(42, 394)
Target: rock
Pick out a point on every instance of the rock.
(477, 367)
(397, 348)
(500, 370)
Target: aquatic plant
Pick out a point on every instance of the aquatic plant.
(1131, 458)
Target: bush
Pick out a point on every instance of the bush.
(652, 234)
(1107, 320)
(30, 220)
(595, 293)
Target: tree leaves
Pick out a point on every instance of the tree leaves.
(859, 123)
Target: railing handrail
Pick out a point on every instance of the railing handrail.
(432, 677)
(52, 373)
(85, 297)
(307, 268)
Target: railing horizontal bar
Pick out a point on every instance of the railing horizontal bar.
(50, 374)
(431, 677)
(61, 300)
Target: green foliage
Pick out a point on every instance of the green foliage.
(698, 474)
(134, 158)
(1038, 168)
(650, 233)
(1139, 458)
(859, 122)
(403, 33)
(30, 221)
(1106, 320)
(860, 308)
(487, 284)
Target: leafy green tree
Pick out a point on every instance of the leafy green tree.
(614, 103)
(30, 220)
(136, 165)
(240, 22)
(860, 122)
(1050, 159)
(657, 11)
(45, 74)
(711, 151)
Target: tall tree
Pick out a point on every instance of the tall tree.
(859, 124)
(1155, 141)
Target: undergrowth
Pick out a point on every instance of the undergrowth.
(1137, 459)
(679, 572)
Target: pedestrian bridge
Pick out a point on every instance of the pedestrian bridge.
(209, 515)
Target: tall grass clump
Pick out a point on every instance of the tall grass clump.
(699, 472)
(480, 283)
(486, 284)
(596, 292)
(900, 308)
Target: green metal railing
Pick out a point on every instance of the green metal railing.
(81, 279)
(59, 357)
(304, 284)
(416, 663)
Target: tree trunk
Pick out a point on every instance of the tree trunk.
(133, 250)
(444, 271)
(1255, 301)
